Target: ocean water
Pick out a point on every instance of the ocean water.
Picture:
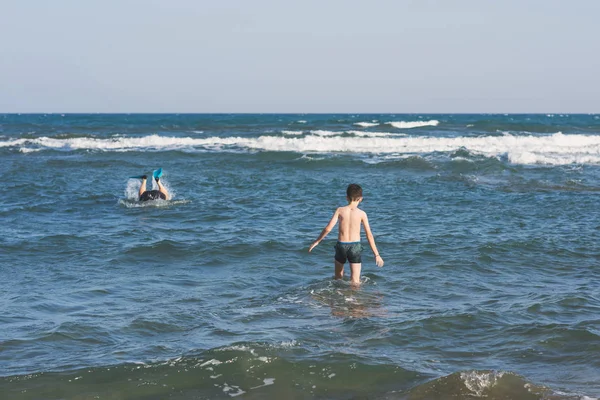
(488, 225)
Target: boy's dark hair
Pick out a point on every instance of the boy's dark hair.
(354, 192)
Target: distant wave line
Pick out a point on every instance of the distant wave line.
(556, 149)
(400, 124)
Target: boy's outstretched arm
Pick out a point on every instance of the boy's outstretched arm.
(371, 239)
(326, 230)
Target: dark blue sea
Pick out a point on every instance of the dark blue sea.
(488, 224)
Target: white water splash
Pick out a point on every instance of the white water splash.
(478, 382)
(132, 190)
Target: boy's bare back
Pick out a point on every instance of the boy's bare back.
(350, 220)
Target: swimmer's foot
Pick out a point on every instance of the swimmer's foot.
(144, 177)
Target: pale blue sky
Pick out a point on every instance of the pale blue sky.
(301, 56)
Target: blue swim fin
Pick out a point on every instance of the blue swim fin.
(137, 177)
(157, 174)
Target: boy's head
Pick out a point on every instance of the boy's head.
(354, 192)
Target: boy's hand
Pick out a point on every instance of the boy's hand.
(379, 261)
(312, 246)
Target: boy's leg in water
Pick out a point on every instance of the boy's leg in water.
(339, 270)
(355, 273)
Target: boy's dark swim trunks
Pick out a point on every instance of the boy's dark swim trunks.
(152, 195)
(348, 251)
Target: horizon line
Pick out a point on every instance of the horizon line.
(291, 113)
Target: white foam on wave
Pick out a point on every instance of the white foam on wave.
(556, 149)
(236, 347)
(355, 133)
(413, 124)
(213, 361)
(293, 133)
(325, 133)
(374, 134)
(266, 382)
(310, 158)
(12, 143)
(233, 390)
(150, 142)
(27, 150)
(366, 124)
(478, 381)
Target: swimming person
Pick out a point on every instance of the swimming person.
(161, 193)
(348, 246)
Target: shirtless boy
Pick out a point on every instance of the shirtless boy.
(348, 246)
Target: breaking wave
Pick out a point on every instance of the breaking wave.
(556, 149)
(264, 371)
(413, 124)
